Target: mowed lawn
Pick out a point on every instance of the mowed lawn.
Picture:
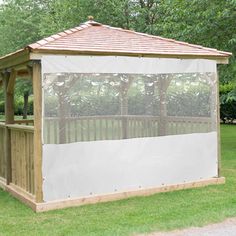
(160, 212)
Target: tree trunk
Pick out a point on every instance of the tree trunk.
(26, 102)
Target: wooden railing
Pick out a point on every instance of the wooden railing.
(183, 125)
(2, 151)
(90, 128)
(21, 122)
(22, 159)
(24, 122)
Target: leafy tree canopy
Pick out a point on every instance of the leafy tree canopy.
(210, 23)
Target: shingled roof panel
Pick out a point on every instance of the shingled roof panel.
(95, 37)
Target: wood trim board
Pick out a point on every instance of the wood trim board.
(3, 183)
(60, 204)
(37, 91)
(37, 55)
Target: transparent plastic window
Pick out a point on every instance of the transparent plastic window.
(82, 107)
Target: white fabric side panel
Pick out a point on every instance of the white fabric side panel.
(100, 167)
(127, 65)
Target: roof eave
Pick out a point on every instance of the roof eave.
(13, 59)
(37, 53)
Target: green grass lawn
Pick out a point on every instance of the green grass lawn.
(164, 211)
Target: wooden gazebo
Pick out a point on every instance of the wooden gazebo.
(46, 162)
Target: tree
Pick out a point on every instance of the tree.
(24, 87)
(206, 22)
(19, 23)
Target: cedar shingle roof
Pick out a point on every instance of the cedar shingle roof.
(97, 38)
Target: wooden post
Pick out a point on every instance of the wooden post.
(215, 114)
(217, 97)
(163, 84)
(9, 82)
(213, 102)
(64, 106)
(149, 96)
(62, 111)
(37, 91)
(124, 106)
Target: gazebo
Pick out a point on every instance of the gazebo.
(117, 114)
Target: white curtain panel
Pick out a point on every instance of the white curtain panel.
(127, 65)
(83, 156)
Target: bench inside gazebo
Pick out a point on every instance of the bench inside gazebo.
(116, 114)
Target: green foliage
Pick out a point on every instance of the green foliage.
(23, 86)
(19, 23)
(2, 107)
(228, 102)
(19, 104)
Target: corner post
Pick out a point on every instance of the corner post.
(9, 82)
(37, 91)
(218, 124)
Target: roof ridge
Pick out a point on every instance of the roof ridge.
(61, 34)
(168, 39)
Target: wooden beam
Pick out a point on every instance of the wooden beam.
(218, 125)
(222, 60)
(26, 128)
(125, 85)
(21, 67)
(149, 87)
(29, 200)
(62, 93)
(37, 55)
(14, 59)
(9, 119)
(63, 106)
(11, 82)
(23, 73)
(30, 71)
(22, 195)
(37, 91)
(2, 183)
(47, 206)
(163, 84)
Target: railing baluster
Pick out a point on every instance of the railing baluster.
(95, 129)
(76, 131)
(100, 128)
(88, 129)
(106, 124)
(82, 130)
(112, 127)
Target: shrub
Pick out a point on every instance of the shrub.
(2, 107)
(228, 102)
(18, 106)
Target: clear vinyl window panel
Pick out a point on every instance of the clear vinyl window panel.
(82, 107)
